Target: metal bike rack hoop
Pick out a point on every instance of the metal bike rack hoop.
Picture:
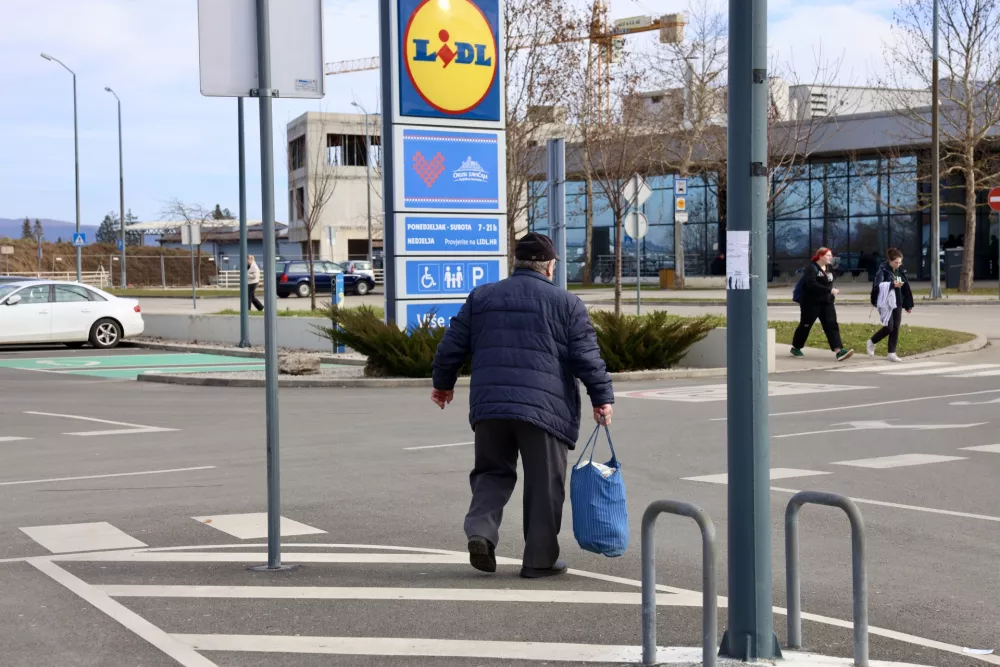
(858, 568)
(709, 611)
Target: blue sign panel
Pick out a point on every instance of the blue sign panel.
(121, 246)
(449, 59)
(446, 277)
(79, 239)
(434, 313)
(462, 235)
(457, 171)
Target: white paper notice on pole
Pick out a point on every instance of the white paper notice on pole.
(737, 260)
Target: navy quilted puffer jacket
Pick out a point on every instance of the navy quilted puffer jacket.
(530, 342)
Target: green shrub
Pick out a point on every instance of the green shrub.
(646, 342)
(391, 351)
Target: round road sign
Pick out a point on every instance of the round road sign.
(995, 199)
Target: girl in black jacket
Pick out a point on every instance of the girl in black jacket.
(817, 302)
(891, 275)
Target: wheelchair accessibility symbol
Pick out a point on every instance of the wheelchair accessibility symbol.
(430, 278)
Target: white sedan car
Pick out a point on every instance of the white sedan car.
(47, 311)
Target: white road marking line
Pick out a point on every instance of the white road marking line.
(981, 374)
(900, 461)
(133, 428)
(883, 367)
(178, 650)
(11, 438)
(879, 424)
(255, 557)
(943, 371)
(76, 537)
(718, 392)
(914, 508)
(368, 593)
(693, 595)
(454, 444)
(993, 449)
(254, 526)
(776, 473)
(117, 474)
(838, 408)
(480, 649)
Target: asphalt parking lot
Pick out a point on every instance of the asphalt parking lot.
(132, 510)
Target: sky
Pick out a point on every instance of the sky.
(179, 144)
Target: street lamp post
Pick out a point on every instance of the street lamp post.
(76, 161)
(935, 168)
(121, 186)
(368, 176)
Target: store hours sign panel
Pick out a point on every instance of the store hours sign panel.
(450, 171)
(422, 234)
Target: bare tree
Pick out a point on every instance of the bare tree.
(615, 144)
(191, 214)
(970, 95)
(536, 60)
(689, 109)
(318, 173)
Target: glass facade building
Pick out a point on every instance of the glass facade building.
(859, 208)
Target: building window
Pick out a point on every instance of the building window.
(349, 150)
(297, 153)
(300, 203)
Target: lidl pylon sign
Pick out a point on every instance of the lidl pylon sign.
(443, 102)
(449, 67)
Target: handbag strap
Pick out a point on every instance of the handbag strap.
(592, 445)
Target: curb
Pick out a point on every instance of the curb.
(974, 345)
(722, 302)
(401, 383)
(232, 352)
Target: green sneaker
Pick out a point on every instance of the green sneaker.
(797, 353)
(845, 354)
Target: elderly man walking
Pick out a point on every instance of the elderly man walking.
(530, 342)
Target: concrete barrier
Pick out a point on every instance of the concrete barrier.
(299, 333)
(293, 332)
(710, 352)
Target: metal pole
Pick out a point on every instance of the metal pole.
(557, 204)
(194, 293)
(750, 634)
(270, 294)
(638, 265)
(76, 164)
(121, 192)
(935, 249)
(163, 273)
(388, 160)
(368, 176)
(244, 254)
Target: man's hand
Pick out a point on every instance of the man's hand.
(442, 398)
(835, 291)
(602, 414)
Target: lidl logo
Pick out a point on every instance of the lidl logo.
(450, 52)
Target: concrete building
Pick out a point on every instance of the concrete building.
(328, 159)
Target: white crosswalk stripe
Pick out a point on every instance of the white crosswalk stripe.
(946, 369)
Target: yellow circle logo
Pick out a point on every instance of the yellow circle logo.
(451, 54)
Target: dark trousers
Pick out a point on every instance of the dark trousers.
(826, 313)
(252, 301)
(890, 330)
(543, 457)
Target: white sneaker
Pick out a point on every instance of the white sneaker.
(870, 348)
(894, 358)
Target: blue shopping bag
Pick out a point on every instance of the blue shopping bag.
(600, 515)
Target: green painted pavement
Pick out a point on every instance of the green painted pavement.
(122, 361)
(133, 373)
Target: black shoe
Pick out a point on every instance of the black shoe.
(538, 573)
(481, 554)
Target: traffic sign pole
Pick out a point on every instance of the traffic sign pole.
(994, 201)
(750, 632)
(638, 256)
(557, 205)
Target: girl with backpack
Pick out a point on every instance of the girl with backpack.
(891, 295)
(816, 298)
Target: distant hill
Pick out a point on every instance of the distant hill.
(53, 229)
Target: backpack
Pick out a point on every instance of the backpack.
(799, 288)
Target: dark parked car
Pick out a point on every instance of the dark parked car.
(293, 278)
